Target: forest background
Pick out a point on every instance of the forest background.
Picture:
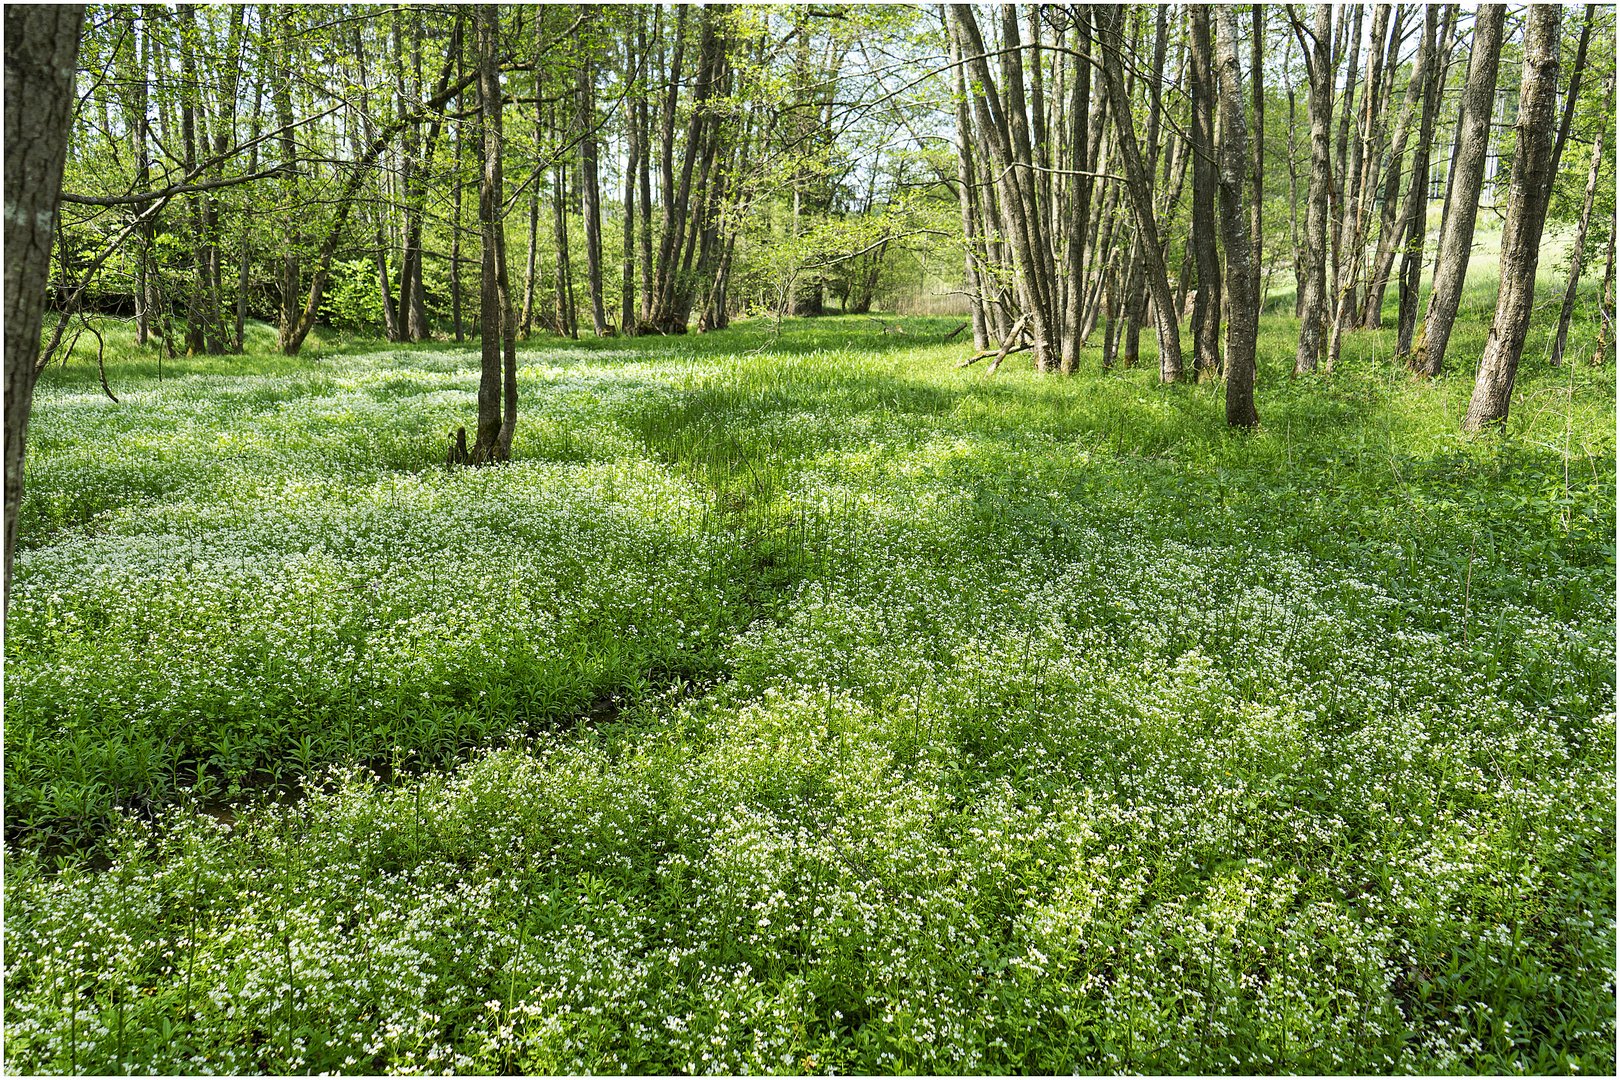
(1026, 538)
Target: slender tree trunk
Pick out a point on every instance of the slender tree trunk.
(1573, 95)
(1007, 135)
(1257, 194)
(455, 234)
(530, 274)
(567, 320)
(644, 179)
(497, 385)
(1206, 313)
(1313, 314)
(42, 51)
(632, 165)
(289, 279)
(1343, 160)
(1530, 190)
(1415, 212)
(1243, 324)
(1605, 339)
(1576, 252)
(1392, 222)
(965, 180)
(1137, 186)
(1294, 234)
(1462, 203)
(590, 188)
(1084, 143)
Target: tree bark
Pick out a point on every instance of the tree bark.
(1313, 309)
(1529, 192)
(590, 187)
(1257, 194)
(497, 384)
(632, 165)
(1574, 93)
(1083, 139)
(42, 52)
(1206, 313)
(1462, 203)
(1243, 322)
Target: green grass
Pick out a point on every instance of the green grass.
(805, 703)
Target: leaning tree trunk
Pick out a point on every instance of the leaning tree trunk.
(1577, 252)
(1109, 25)
(1243, 323)
(1534, 170)
(1462, 203)
(42, 52)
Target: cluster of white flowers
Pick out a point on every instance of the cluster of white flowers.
(938, 747)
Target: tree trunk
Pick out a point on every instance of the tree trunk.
(1605, 339)
(497, 384)
(42, 52)
(1137, 187)
(1529, 192)
(1257, 194)
(1462, 203)
(1313, 307)
(965, 180)
(590, 187)
(1243, 323)
(1415, 212)
(567, 318)
(632, 165)
(455, 236)
(1206, 313)
(1084, 142)
(1576, 253)
(1573, 95)
(1392, 221)
(1008, 141)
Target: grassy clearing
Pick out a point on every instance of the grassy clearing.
(802, 704)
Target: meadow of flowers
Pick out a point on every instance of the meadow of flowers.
(804, 704)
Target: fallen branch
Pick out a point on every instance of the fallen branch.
(1006, 352)
(953, 333)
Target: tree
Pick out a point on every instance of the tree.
(42, 52)
(1462, 203)
(1530, 190)
(497, 383)
(1317, 45)
(1243, 324)
(1109, 27)
(1206, 314)
(1415, 209)
(590, 193)
(1567, 309)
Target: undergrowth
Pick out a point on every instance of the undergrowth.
(801, 703)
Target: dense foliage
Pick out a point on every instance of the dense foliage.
(794, 702)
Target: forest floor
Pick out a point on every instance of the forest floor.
(804, 703)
